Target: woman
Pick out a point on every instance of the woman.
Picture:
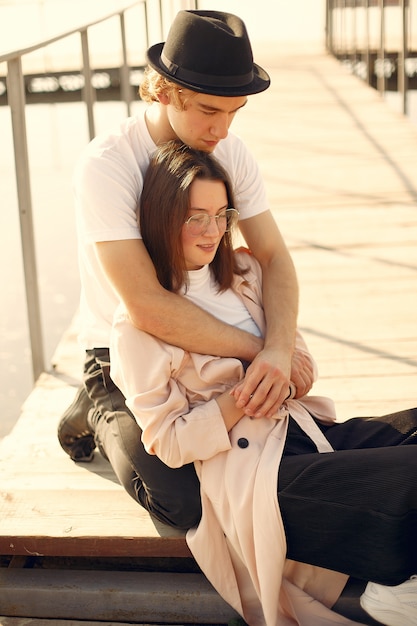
(280, 508)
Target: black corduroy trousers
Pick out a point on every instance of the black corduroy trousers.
(354, 510)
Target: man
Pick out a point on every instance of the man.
(196, 83)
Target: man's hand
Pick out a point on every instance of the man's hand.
(302, 372)
(265, 386)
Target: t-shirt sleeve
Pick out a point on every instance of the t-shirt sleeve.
(107, 184)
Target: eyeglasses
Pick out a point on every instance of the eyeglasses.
(226, 220)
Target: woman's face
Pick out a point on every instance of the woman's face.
(207, 197)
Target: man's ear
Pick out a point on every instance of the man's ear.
(163, 97)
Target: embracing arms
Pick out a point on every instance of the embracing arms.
(169, 317)
(176, 320)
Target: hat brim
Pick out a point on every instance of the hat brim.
(260, 82)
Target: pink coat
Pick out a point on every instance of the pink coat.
(240, 542)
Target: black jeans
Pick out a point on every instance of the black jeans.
(354, 510)
(171, 495)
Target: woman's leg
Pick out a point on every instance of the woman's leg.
(171, 495)
(394, 429)
(355, 510)
(368, 548)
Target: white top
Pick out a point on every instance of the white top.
(107, 184)
(226, 305)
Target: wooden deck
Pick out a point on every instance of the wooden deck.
(341, 173)
(73, 544)
(52, 506)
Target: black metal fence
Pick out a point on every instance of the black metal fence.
(20, 90)
(84, 83)
(377, 40)
(68, 86)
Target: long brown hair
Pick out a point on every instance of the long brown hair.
(164, 207)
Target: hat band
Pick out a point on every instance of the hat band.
(195, 78)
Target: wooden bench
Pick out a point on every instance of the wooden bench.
(73, 544)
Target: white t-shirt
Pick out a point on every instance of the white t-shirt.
(227, 306)
(108, 182)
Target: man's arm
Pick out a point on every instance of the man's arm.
(267, 380)
(169, 317)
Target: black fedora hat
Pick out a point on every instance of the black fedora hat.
(209, 52)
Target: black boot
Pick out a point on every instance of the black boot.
(74, 431)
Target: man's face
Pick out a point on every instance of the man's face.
(204, 120)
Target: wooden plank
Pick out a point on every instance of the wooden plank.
(51, 506)
(29, 621)
(33, 621)
(141, 546)
(72, 522)
(120, 596)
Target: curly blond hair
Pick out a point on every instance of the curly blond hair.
(154, 84)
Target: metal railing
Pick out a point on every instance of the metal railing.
(17, 104)
(379, 49)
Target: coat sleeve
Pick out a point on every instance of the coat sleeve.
(142, 367)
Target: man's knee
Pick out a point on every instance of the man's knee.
(175, 499)
(183, 515)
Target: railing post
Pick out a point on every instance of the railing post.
(402, 78)
(368, 45)
(16, 100)
(161, 17)
(381, 51)
(88, 90)
(125, 88)
(340, 28)
(145, 17)
(354, 36)
(326, 27)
